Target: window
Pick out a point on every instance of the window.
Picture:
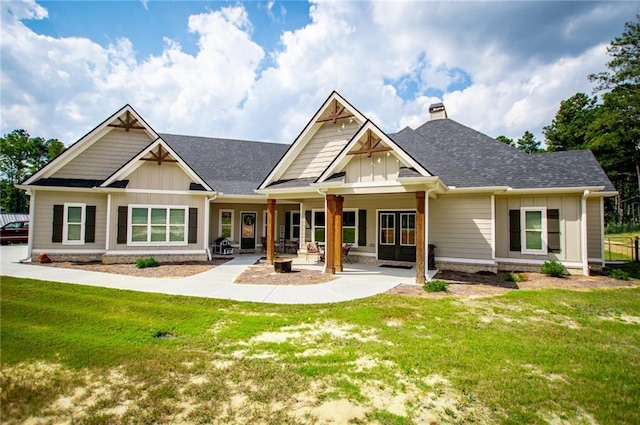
(226, 224)
(349, 227)
(318, 226)
(74, 222)
(387, 229)
(534, 230)
(275, 227)
(295, 225)
(158, 225)
(408, 229)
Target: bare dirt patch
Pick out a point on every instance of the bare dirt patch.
(488, 284)
(166, 270)
(263, 274)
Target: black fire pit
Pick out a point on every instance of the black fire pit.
(282, 265)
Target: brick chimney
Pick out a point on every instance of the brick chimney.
(437, 111)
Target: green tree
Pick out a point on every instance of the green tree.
(506, 140)
(20, 156)
(615, 133)
(570, 128)
(528, 143)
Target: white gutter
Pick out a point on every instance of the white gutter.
(107, 238)
(207, 212)
(426, 229)
(32, 211)
(583, 234)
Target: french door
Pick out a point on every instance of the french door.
(397, 235)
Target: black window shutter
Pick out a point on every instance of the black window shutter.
(90, 224)
(193, 225)
(514, 230)
(122, 224)
(553, 230)
(362, 227)
(58, 218)
(287, 225)
(307, 219)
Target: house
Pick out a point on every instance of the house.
(124, 191)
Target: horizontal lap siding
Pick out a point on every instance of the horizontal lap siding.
(125, 199)
(43, 220)
(166, 176)
(106, 156)
(594, 228)
(460, 227)
(321, 150)
(569, 209)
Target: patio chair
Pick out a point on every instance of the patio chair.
(312, 248)
(345, 252)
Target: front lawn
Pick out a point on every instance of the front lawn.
(81, 354)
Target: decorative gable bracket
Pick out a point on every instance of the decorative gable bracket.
(160, 156)
(370, 145)
(130, 122)
(338, 113)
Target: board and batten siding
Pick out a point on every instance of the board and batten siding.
(166, 176)
(381, 166)
(569, 208)
(594, 228)
(42, 225)
(460, 227)
(105, 156)
(321, 150)
(126, 199)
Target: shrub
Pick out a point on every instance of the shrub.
(553, 268)
(143, 263)
(436, 286)
(516, 277)
(619, 274)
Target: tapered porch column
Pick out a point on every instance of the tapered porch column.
(329, 245)
(271, 229)
(420, 242)
(338, 234)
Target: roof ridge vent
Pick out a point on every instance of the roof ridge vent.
(437, 111)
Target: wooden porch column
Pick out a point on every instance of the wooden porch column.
(329, 236)
(271, 229)
(420, 243)
(338, 234)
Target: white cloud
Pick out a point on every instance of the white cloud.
(384, 57)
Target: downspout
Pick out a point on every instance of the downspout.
(426, 229)
(32, 210)
(207, 208)
(107, 238)
(583, 234)
(323, 192)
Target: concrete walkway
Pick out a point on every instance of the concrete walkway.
(361, 282)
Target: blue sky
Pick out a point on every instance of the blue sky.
(258, 70)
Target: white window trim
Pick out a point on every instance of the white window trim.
(130, 242)
(65, 227)
(233, 216)
(293, 225)
(313, 224)
(543, 231)
(355, 237)
(415, 219)
(395, 228)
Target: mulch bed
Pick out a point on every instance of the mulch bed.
(488, 284)
(263, 274)
(168, 270)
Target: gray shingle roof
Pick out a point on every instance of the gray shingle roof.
(228, 166)
(463, 157)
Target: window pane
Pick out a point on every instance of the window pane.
(74, 214)
(158, 233)
(319, 234)
(387, 236)
(319, 218)
(533, 220)
(176, 234)
(139, 233)
(73, 232)
(225, 231)
(176, 216)
(349, 218)
(226, 217)
(534, 240)
(296, 232)
(139, 216)
(295, 218)
(158, 216)
(349, 235)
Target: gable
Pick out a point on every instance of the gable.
(164, 176)
(106, 155)
(322, 139)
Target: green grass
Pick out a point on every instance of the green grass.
(526, 357)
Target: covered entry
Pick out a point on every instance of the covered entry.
(397, 235)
